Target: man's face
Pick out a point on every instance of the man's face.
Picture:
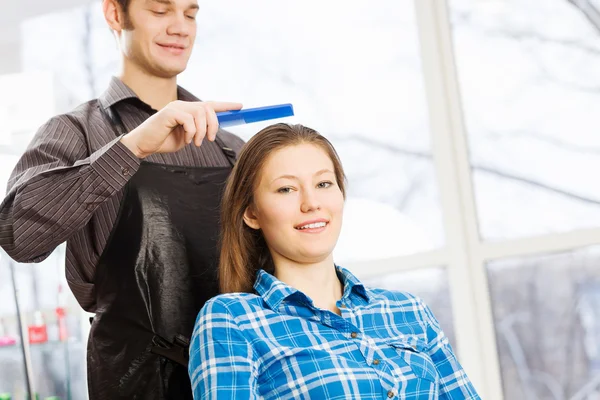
(159, 35)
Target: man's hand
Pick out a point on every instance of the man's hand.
(175, 126)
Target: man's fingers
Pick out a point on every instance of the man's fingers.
(186, 120)
(212, 124)
(200, 121)
(205, 118)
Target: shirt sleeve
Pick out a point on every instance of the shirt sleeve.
(55, 188)
(222, 363)
(454, 382)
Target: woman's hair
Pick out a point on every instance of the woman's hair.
(243, 249)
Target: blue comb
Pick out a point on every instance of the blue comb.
(249, 115)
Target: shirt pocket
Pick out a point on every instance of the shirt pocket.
(412, 352)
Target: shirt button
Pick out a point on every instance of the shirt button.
(391, 394)
(353, 335)
(125, 171)
(376, 361)
(343, 306)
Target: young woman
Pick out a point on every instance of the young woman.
(292, 324)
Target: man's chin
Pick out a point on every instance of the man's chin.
(170, 71)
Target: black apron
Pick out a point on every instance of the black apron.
(156, 272)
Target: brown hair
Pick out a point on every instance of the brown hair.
(124, 5)
(243, 249)
(127, 24)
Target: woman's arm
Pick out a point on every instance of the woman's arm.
(454, 382)
(222, 364)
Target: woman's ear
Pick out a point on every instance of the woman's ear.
(250, 218)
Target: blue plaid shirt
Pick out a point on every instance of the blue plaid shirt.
(277, 345)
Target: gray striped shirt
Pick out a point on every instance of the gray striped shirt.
(69, 184)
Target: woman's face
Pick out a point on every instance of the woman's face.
(298, 204)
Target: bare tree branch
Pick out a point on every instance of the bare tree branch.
(546, 74)
(539, 185)
(566, 84)
(589, 11)
(415, 184)
(537, 37)
(476, 167)
(547, 139)
(381, 145)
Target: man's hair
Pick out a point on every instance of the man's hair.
(124, 5)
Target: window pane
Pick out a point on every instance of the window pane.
(529, 73)
(430, 284)
(58, 366)
(58, 363)
(17, 120)
(349, 76)
(12, 377)
(352, 71)
(547, 316)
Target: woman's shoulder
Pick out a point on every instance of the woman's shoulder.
(232, 303)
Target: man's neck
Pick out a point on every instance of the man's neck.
(155, 91)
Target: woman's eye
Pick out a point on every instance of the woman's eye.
(159, 12)
(284, 190)
(324, 185)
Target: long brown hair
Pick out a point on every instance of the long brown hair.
(243, 249)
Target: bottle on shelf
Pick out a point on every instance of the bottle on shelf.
(38, 332)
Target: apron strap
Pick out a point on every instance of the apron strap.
(177, 351)
(228, 151)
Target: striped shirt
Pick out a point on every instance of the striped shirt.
(276, 344)
(69, 183)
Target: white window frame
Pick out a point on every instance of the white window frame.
(464, 254)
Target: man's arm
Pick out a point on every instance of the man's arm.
(56, 187)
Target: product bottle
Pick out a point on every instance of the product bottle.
(38, 332)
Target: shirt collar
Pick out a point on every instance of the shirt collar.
(352, 285)
(118, 91)
(274, 292)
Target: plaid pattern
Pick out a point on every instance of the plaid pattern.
(276, 344)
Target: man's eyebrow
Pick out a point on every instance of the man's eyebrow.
(165, 2)
(193, 6)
